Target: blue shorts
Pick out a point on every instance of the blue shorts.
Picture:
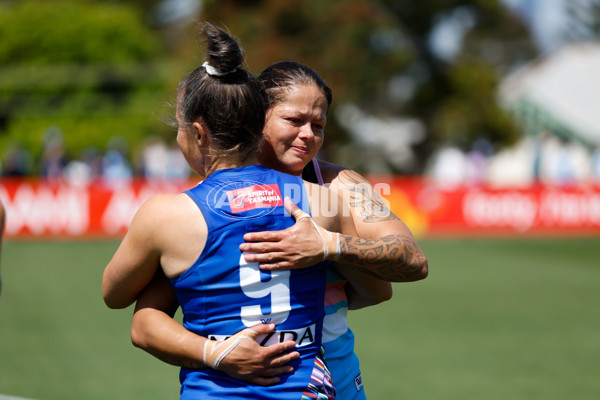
(344, 366)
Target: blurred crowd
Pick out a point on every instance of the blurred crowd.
(154, 160)
(545, 159)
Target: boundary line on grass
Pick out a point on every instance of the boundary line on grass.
(7, 397)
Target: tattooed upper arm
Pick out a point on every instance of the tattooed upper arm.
(363, 199)
(383, 246)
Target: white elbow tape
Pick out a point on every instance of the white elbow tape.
(216, 351)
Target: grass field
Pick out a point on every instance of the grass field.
(496, 319)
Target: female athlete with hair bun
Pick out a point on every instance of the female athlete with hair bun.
(298, 101)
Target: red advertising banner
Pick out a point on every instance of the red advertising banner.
(39, 208)
(431, 210)
(44, 209)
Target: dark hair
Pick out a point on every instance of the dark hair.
(280, 77)
(230, 101)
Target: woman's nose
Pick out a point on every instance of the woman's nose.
(306, 132)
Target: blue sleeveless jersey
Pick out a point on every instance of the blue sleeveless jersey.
(221, 294)
(338, 338)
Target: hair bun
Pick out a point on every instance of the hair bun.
(224, 55)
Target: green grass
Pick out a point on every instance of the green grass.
(58, 341)
(496, 319)
(510, 319)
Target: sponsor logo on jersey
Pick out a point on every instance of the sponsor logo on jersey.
(231, 199)
(358, 384)
(302, 337)
(255, 196)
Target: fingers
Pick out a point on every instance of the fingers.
(274, 236)
(261, 365)
(261, 329)
(270, 376)
(272, 261)
(289, 205)
(274, 350)
(293, 209)
(266, 236)
(261, 255)
(284, 359)
(280, 265)
(260, 247)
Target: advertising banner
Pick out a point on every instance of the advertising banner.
(44, 209)
(39, 208)
(431, 210)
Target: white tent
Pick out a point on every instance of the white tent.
(559, 93)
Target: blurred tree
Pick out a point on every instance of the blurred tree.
(91, 67)
(88, 68)
(437, 61)
(583, 20)
(462, 49)
(352, 44)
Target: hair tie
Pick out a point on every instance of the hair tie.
(215, 72)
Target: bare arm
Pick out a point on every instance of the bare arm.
(135, 262)
(160, 243)
(154, 330)
(302, 248)
(383, 246)
(153, 322)
(168, 232)
(364, 290)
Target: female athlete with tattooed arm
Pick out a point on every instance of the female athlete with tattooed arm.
(298, 104)
(194, 237)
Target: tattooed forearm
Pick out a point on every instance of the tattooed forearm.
(393, 258)
(364, 199)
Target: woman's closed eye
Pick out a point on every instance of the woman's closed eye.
(295, 121)
(318, 127)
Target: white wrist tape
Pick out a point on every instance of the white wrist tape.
(216, 351)
(331, 240)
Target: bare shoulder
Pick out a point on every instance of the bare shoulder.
(176, 205)
(161, 212)
(174, 226)
(159, 207)
(342, 177)
(322, 200)
(362, 197)
(330, 171)
(315, 193)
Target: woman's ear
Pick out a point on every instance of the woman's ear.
(200, 133)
